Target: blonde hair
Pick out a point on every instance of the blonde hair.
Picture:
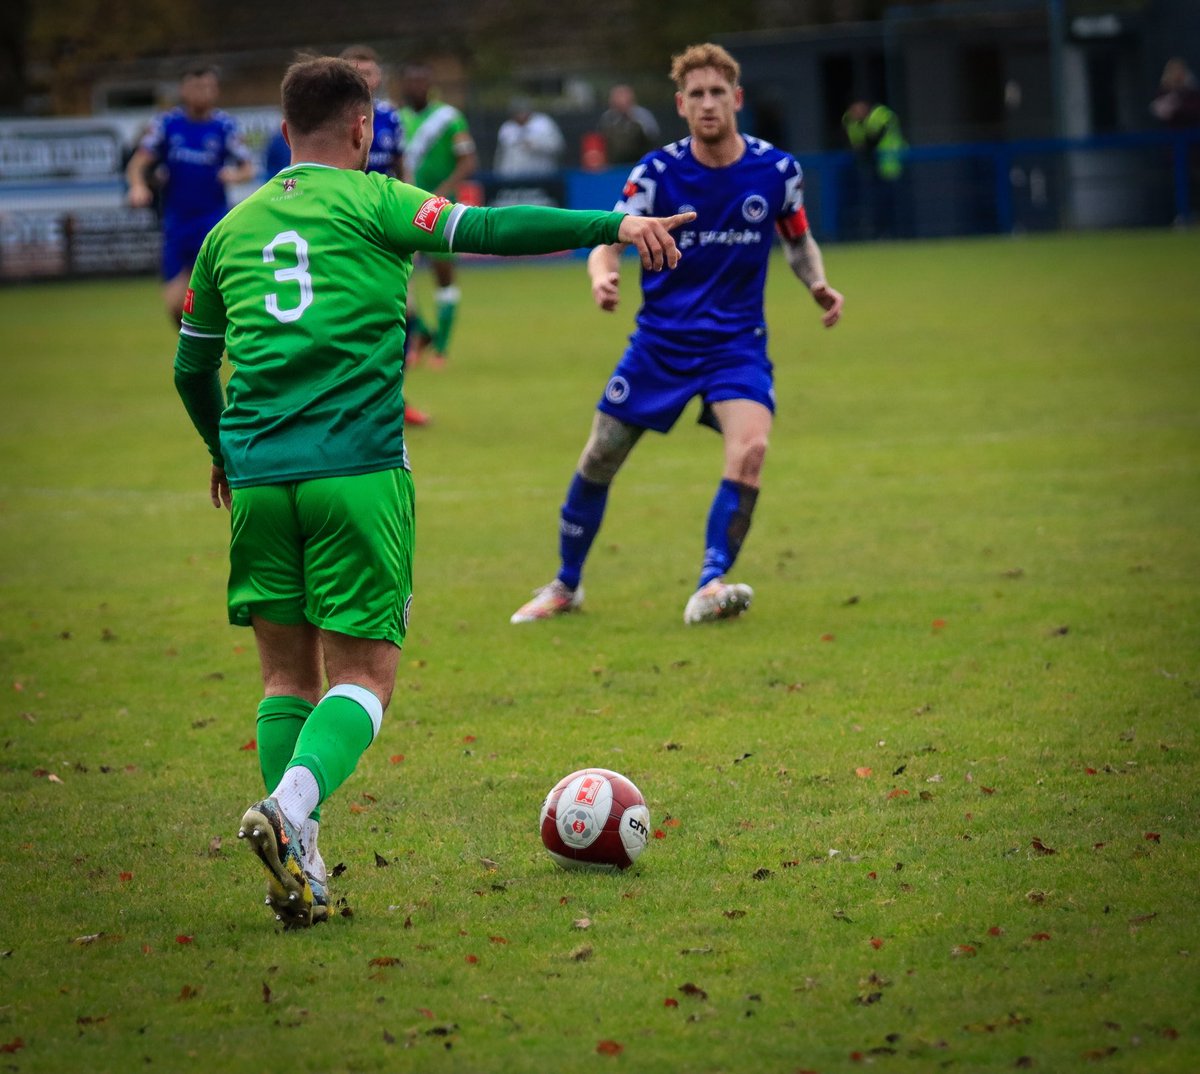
(695, 57)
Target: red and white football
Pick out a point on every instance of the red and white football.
(595, 819)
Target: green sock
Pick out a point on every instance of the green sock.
(336, 735)
(280, 721)
(415, 327)
(446, 299)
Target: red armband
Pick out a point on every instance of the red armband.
(795, 226)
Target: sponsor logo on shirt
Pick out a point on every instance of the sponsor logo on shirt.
(427, 215)
(189, 300)
(730, 238)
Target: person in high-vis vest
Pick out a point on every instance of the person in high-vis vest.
(874, 133)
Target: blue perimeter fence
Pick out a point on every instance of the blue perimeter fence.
(54, 228)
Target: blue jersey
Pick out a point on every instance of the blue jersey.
(715, 293)
(388, 142)
(193, 153)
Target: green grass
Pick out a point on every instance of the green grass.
(977, 572)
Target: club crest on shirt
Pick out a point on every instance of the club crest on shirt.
(289, 185)
(754, 209)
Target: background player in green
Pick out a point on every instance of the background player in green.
(439, 154)
(303, 284)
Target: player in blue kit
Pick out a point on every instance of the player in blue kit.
(200, 152)
(700, 330)
(387, 157)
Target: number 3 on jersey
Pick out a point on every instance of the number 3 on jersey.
(298, 274)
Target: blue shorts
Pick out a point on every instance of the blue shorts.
(182, 240)
(656, 379)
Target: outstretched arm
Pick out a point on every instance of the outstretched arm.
(804, 256)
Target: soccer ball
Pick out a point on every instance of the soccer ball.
(595, 819)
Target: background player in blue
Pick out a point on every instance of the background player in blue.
(700, 330)
(387, 146)
(387, 157)
(198, 152)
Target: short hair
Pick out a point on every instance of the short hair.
(199, 70)
(695, 57)
(320, 90)
(359, 52)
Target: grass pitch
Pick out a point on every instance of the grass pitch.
(932, 804)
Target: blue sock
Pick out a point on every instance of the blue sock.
(582, 514)
(728, 524)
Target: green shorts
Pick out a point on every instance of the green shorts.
(336, 552)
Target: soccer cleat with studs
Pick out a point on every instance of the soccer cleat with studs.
(548, 601)
(718, 600)
(320, 899)
(277, 843)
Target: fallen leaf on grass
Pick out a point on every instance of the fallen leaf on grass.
(185, 939)
(1041, 847)
(963, 950)
(1094, 1055)
(689, 989)
(1151, 837)
(188, 992)
(13, 1046)
(214, 847)
(1143, 919)
(126, 877)
(472, 960)
(862, 772)
(388, 1038)
(733, 913)
(876, 942)
(251, 745)
(396, 758)
(91, 1019)
(497, 939)
(995, 930)
(670, 1001)
(582, 953)
(380, 861)
(1040, 936)
(385, 960)
(609, 1047)
(582, 923)
(897, 792)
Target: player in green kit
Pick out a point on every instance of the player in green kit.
(439, 155)
(303, 285)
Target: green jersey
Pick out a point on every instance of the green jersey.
(303, 284)
(429, 150)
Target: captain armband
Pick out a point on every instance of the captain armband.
(795, 226)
